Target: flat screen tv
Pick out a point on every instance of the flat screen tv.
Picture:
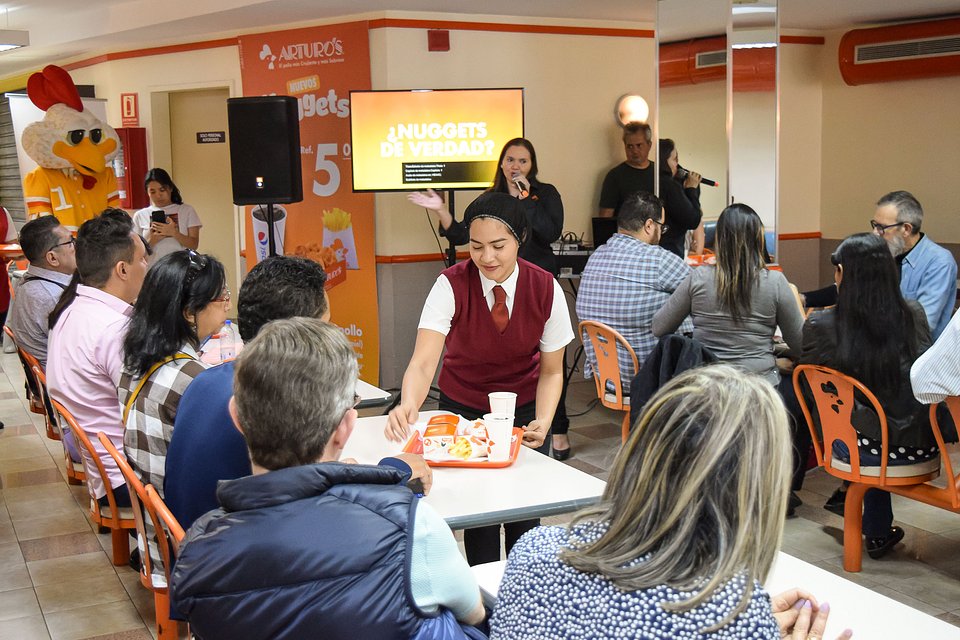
(438, 139)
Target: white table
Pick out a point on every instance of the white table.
(371, 396)
(534, 486)
(868, 613)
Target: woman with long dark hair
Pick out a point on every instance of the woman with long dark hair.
(737, 304)
(517, 176)
(680, 196)
(183, 301)
(180, 227)
(683, 558)
(874, 335)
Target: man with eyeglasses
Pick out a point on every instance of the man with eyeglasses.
(628, 278)
(49, 247)
(928, 272)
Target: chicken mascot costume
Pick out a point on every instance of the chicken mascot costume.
(73, 148)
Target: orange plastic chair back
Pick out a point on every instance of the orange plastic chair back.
(953, 481)
(115, 521)
(605, 341)
(833, 394)
(75, 470)
(169, 532)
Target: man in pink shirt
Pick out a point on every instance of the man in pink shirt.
(85, 353)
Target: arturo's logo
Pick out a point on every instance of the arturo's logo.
(304, 51)
(267, 54)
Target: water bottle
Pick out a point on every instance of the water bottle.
(228, 343)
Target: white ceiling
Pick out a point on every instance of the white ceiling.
(63, 29)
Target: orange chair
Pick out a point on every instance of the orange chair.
(605, 342)
(35, 391)
(74, 470)
(119, 521)
(166, 628)
(833, 394)
(169, 532)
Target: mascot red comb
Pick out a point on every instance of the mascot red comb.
(73, 148)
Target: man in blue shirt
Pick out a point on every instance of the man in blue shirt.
(628, 279)
(928, 272)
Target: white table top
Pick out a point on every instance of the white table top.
(868, 613)
(371, 395)
(532, 487)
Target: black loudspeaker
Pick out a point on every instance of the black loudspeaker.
(265, 150)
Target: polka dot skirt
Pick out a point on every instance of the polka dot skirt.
(898, 455)
(541, 597)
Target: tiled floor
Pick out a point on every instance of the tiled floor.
(56, 579)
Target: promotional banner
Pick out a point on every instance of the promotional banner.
(320, 66)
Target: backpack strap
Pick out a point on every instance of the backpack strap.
(152, 370)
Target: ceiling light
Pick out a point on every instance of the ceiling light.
(13, 39)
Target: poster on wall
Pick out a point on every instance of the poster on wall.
(319, 66)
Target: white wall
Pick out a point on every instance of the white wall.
(883, 137)
(570, 86)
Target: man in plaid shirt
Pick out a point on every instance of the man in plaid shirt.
(628, 279)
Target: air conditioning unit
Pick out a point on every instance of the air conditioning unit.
(929, 49)
(705, 60)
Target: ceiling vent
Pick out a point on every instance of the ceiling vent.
(910, 51)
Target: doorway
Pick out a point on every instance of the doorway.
(202, 172)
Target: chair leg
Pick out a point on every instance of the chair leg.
(853, 528)
(625, 427)
(74, 481)
(166, 628)
(120, 539)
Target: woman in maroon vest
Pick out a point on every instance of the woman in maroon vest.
(504, 323)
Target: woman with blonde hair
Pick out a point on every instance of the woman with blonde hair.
(737, 304)
(685, 533)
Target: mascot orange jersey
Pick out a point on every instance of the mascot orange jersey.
(73, 148)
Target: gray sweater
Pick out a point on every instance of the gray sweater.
(748, 343)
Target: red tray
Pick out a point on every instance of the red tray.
(415, 445)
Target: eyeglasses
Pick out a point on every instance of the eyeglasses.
(356, 400)
(224, 295)
(198, 262)
(880, 229)
(664, 227)
(63, 244)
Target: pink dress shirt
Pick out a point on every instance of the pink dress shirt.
(84, 360)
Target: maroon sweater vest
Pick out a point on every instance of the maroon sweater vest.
(479, 358)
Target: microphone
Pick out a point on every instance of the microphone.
(523, 192)
(682, 175)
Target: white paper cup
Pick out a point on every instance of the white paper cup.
(500, 431)
(260, 227)
(503, 402)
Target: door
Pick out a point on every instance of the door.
(202, 172)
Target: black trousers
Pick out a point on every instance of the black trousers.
(802, 443)
(561, 423)
(482, 544)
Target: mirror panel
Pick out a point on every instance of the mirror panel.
(752, 114)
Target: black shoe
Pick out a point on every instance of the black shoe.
(561, 454)
(878, 547)
(792, 504)
(135, 559)
(836, 502)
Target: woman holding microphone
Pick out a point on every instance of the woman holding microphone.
(504, 324)
(540, 202)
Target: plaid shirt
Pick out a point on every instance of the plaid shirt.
(149, 427)
(625, 282)
(149, 424)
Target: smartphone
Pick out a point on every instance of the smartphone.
(158, 216)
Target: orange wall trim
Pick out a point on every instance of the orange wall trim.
(802, 40)
(806, 235)
(419, 257)
(509, 28)
(153, 51)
